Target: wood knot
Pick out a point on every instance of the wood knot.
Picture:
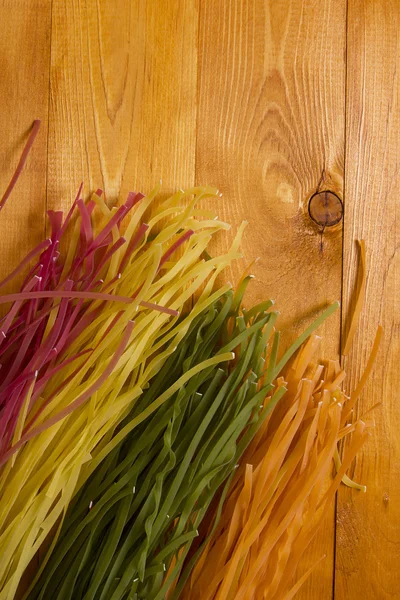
(325, 209)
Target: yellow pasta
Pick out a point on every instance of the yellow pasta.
(65, 432)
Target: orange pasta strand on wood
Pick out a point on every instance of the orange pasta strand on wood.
(277, 501)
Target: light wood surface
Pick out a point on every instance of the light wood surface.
(368, 531)
(24, 95)
(271, 101)
(270, 134)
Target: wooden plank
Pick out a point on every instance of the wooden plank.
(24, 96)
(270, 134)
(24, 89)
(368, 542)
(123, 97)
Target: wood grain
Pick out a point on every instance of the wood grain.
(123, 97)
(24, 96)
(368, 534)
(271, 133)
(250, 96)
(24, 89)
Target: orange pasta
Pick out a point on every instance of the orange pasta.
(277, 499)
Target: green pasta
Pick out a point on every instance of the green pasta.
(133, 525)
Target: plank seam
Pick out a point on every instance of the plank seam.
(48, 120)
(342, 277)
(198, 67)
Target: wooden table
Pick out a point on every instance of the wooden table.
(273, 101)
